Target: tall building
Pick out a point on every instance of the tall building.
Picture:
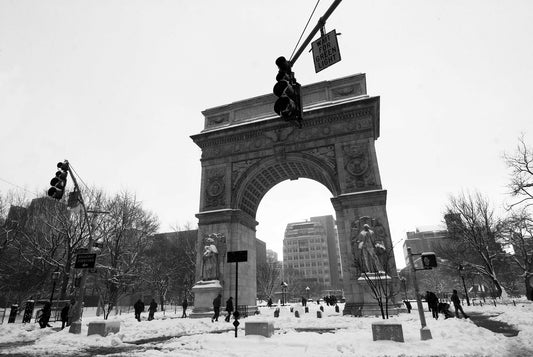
(260, 252)
(424, 239)
(311, 247)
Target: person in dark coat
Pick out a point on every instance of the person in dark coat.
(64, 316)
(138, 307)
(433, 304)
(184, 305)
(304, 301)
(457, 304)
(408, 306)
(229, 308)
(216, 306)
(151, 310)
(269, 303)
(46, 312)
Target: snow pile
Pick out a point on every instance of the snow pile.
(332, 335)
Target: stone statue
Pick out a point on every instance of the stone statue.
(210, 260)
(365, 242)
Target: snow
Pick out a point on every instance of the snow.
(331, 335)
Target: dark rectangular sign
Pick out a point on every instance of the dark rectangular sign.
(238, 256)
(85, 260)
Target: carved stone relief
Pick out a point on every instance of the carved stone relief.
(238, 168)
(325, 154)
(218, 119)
(357, 164)
(376, 243)
(215, 188)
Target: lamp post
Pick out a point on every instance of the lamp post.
(461, 268)
(283, 292)
(55, 277)
(307, 290)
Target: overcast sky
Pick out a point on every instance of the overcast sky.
(117, 88)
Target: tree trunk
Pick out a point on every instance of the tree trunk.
(529, 286)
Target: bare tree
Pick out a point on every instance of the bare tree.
(521, 165)
(169, 267)
(125, 232)
(477, 232)
(520, 225)
(268, 279)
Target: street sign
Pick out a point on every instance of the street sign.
(237, 256)
(326, 51)
(85, 260)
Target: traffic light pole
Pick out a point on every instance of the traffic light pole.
(75, 327)
(425, 333)
(319, 26)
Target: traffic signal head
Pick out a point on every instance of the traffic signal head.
(288, 105)
(59, 182)
(429, 260)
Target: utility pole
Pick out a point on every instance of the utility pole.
(75, 326)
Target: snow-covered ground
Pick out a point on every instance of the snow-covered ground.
(351, 336)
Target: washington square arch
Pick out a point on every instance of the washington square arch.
(247, 149)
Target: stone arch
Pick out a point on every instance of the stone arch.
(247, 150)
(267, 173)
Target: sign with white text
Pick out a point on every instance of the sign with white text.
(326, 51)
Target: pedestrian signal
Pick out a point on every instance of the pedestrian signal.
(429, 260)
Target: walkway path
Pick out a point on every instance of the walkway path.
(485, 321)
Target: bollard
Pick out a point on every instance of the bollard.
(13, 314)
(296, 314)
(319, 314)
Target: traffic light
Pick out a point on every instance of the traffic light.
(429, 260)
(288, 106)
(59, 182)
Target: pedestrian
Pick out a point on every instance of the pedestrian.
(46, 312)
(304, 301)
(229, 308)
(216, 306)
(457, 304)
(64, 316)
(151, 310)
(408, 306)
(433, 304)
(138, 308)
(269, 303)
(184, 305)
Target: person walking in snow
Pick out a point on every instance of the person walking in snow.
(216, 306)
(184, 305)
(138, 308)
(457, 304)
(433, 304)
(229, 308)
(151, 310)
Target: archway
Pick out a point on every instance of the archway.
(246, 150)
